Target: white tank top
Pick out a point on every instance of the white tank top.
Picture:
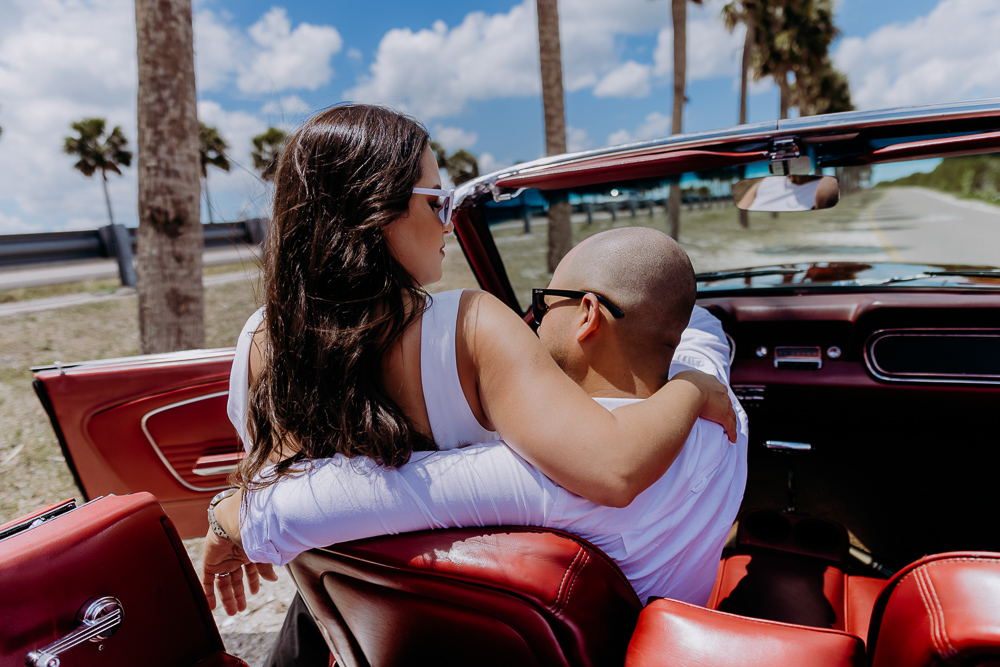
(451, 419)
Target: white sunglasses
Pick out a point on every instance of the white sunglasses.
(446, 200)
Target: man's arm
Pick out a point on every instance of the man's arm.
(703, 347)
(343, 499)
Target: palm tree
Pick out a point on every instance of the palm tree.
(461, 165)
(678, 12)
(747, 12)
(98, 152)
(213, 152)
(266, 151)
(170, 239)
(787, 36)
(560, 235)
(822, 89)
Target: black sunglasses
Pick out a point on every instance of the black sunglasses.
(539, 307)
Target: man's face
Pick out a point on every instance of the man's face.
(556, 331)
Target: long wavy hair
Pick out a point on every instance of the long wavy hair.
(336, 300)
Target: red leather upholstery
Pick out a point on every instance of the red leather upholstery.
(942, 609)
(122, 546)
(684, 635)
(790, 588)
(483, 596)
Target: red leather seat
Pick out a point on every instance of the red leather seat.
(684, 635)
(786, 587)
(120, 546)
(483, 596)
(941, 610)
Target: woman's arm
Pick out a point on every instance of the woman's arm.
(606, 457)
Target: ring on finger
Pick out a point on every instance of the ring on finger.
(220, 576)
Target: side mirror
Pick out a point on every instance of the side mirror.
(786, 193)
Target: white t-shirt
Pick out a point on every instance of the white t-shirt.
(667, 542)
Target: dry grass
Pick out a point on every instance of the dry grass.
(32, 470)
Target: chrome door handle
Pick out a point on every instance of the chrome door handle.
(99, 619)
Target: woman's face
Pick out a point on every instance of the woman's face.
(416, 239)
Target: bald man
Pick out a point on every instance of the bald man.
(617, 318)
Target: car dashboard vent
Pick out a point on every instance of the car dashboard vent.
(935, 355)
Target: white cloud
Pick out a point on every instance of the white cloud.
(454, 138)
(354, 54)
(288, 58)
(577, 139)
(952, 53)
(434, 72)
(711, 50)
(630, 79)
(488, 163)
(63, 60)
(290, 105)
(653, 126)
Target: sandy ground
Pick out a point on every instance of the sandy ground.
(250, 633)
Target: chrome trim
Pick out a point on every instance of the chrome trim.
(97, 620)
(799, 355)
(215, 470)
(767, 131)
(935, 378)
(787, 446)
(732, 348)
(156, 447)
(166, 359)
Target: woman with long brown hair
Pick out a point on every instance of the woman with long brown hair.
(349, 355)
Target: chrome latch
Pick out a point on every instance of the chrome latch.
(787, 159)
(98, 618)
(499, 196)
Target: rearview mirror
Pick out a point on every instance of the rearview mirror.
(786, 193)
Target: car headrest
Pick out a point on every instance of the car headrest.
(506, 595)
(941, 609)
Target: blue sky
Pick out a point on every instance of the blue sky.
(468, 69)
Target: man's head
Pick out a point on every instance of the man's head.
(649, 277)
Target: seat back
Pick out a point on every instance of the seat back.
(484, 596)
(685, 635)
(119, 546)
(941, 609)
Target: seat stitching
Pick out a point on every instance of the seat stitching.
(950, 648)
(918, 577)
(566, 574)
(569, 591)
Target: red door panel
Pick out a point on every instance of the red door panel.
(155, 424)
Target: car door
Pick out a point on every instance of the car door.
(155, 423)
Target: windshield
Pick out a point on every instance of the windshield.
(928, 219)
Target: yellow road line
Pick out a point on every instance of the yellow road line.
(890, 250)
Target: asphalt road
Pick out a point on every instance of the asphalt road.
(918, 225)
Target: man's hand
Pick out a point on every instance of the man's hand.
(717, 408)
(223, 566)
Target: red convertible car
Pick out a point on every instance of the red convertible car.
(865, 349)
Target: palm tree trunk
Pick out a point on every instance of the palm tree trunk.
(107, 199)
(744, 216)
(170, 241)
(678, 12)
(785, 94)
(560, 233)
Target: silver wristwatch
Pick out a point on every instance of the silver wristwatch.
(212, 522)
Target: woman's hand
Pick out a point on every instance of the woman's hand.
(717, 408)
(223, 565)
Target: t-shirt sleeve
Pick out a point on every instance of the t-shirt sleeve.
(341, 499)
(703, 347)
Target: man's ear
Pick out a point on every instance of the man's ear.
(590, 318)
